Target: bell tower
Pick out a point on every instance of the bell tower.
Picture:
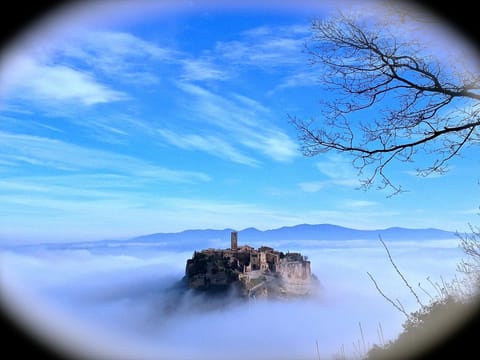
(234, 241)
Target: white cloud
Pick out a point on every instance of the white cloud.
(267, 47)
(250, 103)
(299, 79)
(76, 68)
(93, 214)
(124, 45)
(338, 172)
(93, 186)
(201, 70)
(472, 211)
(117, 54)
(316, 186)
(117, 127)
(56, 154)
(274, 144)
(337, 167)
(310, 77)
(313, 186)
(97, 206)
(108, 128)
(33, 81)
(236, 214)
(355, 204)
(243, 120)
(210, 144)
(419, 175)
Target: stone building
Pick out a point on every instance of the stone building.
(256, 271)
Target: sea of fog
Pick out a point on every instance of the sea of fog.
(117, 300)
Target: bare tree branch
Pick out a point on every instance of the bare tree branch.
(386, 297)
(411, 102)
(400, 273)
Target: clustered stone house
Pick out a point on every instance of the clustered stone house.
(220, 267)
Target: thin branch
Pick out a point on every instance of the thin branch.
(425, 291)
(386, 297)
(399, 273)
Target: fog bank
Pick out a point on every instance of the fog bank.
(122, 301)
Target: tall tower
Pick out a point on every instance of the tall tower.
(234, 240)
(263, 261)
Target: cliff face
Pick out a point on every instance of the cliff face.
(211, 271)
(262, 272)
(296, 276)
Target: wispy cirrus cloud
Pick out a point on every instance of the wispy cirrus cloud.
(306, 77)
(316, 186)
(211, 144)
(121, 55)
(114, 128)
(202, 69)
(419, 175)
(266, 46)
(358, 204)
(97, 213)
(243, 121)
(117, 46)
(273, 143)
(77, 186)
(313, 186)
(471, 211)
(336, 171)
(337, 167)
(19, 150)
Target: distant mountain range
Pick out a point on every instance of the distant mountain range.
(300, 232)
(289, 236)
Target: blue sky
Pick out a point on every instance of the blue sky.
(128, 120)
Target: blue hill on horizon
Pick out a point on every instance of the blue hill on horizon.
(197, 239)
(302, 232)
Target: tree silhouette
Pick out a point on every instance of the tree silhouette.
(411, 101)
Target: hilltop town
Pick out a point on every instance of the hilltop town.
(262, 272)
